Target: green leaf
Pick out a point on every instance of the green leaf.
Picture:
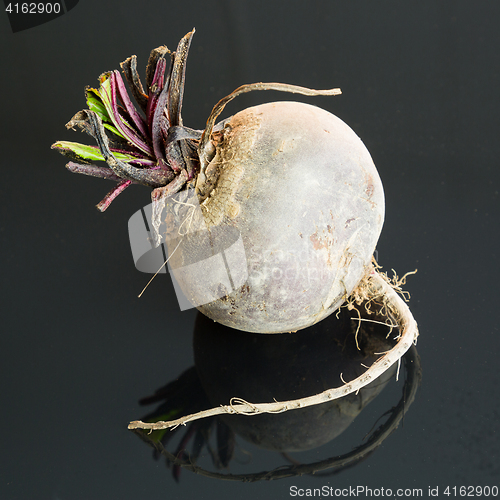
(105, 95)
(96, 105)
(113, 129)
(79, 151)
(120, 124)
(85, 152)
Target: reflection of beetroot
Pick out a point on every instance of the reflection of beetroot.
(264, 368)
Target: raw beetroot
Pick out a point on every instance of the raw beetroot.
(291, 181)
(303, 192)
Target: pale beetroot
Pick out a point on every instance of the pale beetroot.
(302, 190)
(289, 183)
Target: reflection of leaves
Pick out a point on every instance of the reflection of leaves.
(160, 435)
(178, 398)
(174, 401)
(226, 440)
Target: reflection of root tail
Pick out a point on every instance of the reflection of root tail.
(376, 288)
(332, 465)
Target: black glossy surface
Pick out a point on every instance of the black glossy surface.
(420, 87)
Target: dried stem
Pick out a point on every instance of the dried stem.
(375, 286)
(219, 107)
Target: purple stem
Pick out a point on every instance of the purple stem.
(156, 87)
(106, 201)
(92, 170)
(136, 154)
(175, 162)
(134, 115)
(146, 176)
(156, 124)
(172, 187)
(148, 164)
(131, 136)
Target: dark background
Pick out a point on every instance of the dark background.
(420, 84)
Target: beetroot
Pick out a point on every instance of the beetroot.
(289, 184)
(293, 180)
(302, 190)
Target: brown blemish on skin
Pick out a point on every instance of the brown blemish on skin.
(369, 184)
(348, 222)
(322, 241)
(317, 241)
